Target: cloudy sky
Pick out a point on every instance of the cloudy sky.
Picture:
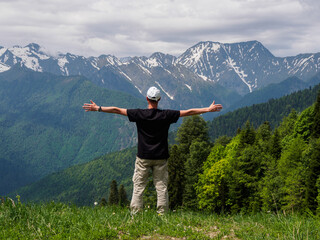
(141, 27)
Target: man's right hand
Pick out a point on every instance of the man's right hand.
(215, 107)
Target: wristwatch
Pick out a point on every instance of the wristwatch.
(99, 110)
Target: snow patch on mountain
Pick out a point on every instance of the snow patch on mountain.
(195, 55)
(190, 88)
(2, 50)
(239, 72)
(62, 61)
(95, 65)
(144, 69)
(113, 60)
(41, 55)
(121, 72)
(27, 58)
(138, 89)
(4, 67)
(203, 77)
(300, 64)
(171, 72)
(170, 96)
(152, 62)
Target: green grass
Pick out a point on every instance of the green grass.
(63, 221)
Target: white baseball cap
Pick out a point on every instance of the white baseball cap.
(153, 94)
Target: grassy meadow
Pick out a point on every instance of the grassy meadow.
(64, 221)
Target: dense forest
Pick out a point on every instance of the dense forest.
(259, 169)
(272, 111)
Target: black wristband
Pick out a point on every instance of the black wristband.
(99, 110)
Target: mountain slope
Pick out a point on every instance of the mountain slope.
(44, 129)
(275, 90)
(84, 184)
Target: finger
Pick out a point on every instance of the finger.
(92, 102)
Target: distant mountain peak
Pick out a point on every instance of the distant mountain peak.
(108, 60)
(34, 46)
(125, 59)
(161, 59)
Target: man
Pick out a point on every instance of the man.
(152, 126)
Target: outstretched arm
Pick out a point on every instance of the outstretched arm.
(195, 111)
(94, 107)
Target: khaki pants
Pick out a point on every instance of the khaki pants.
(140, 180)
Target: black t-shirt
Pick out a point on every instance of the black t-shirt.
(153, 126)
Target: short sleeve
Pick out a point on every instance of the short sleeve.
(173, 115)
(132, 115)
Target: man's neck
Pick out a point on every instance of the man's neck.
(152, 105)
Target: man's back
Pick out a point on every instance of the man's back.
(152, 126)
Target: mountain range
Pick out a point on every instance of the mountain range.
(237, 68)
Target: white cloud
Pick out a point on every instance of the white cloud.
(141, 27)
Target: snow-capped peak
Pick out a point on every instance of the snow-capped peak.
(29, 55)
(194, 54)
(109, 60)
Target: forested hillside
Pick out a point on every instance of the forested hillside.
(272, 111)
(44, 129)
(258, 169)
(84, 184)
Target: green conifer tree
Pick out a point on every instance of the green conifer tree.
(245, 177)
(123, 200)
(199, 152)
(113, 195)
(316, 118)
(247, 135)
(287, 125)
(176, 176)
(313, 174)
(150, 194)
(103, 202)
(223, 140)
(275, 145)
(264, 131)
(193, 128)
(292, 170)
